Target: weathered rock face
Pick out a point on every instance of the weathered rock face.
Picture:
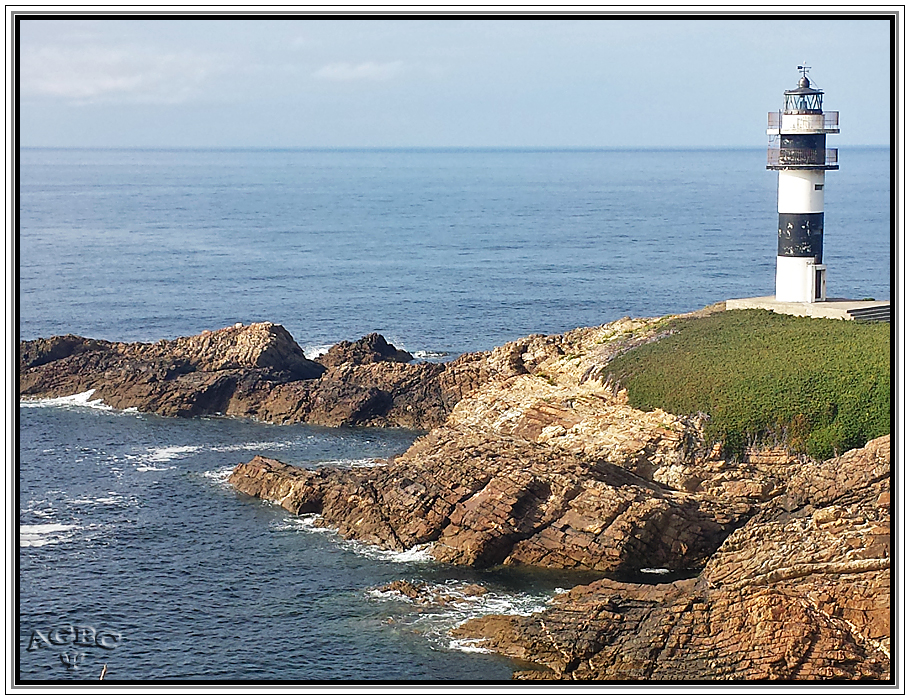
(486, 499)
(800, 592)
(255, 371)
(534, 460)
(370, 348)
(539, 463)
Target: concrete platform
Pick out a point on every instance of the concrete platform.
(848, 309)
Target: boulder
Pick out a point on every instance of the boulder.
(371, 348)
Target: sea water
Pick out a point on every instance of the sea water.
(133, 549)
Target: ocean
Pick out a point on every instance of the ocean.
(134, 552)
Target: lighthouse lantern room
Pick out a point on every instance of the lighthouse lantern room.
(798, 152)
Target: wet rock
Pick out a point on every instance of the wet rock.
(371, 348)
(483, 500)
(423, 594)
(256, 371)
(791, 595)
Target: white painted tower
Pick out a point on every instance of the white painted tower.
(797, 151)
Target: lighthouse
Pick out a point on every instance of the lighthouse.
(797, 151)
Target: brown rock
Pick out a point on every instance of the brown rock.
(255, 371)
(486, 499)
(371, 348)
(791, 596)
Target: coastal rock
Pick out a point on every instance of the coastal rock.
(539, 462)
(800, 592)
(255, 371)
(370, 348)
(39, 352)
(485, 499)
(423, 594)
(534, 457)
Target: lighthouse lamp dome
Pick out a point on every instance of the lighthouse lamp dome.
(804, 99)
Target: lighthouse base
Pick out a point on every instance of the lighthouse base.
(800, 280)
(847, 309)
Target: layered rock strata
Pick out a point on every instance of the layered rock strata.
(255, 371)
(544, 464)
(535, 458)
(800, 592)
(484, 499)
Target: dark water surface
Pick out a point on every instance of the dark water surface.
(126, 523)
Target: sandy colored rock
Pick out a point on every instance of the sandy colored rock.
(534, 457)
(800, 592)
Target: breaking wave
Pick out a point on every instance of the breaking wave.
(438, 608)
(44, 534)
(314, 523)
(82, 400)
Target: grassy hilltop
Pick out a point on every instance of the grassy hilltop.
(820, 386)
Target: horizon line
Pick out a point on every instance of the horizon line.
(423, 148)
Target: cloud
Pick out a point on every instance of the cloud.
(85, 74)
(360, 71)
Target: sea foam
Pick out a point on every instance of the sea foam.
(430, 354)
(82, 400)
(313, 523)
(441, 607)
(311, 352)
(43, 534)
(220, 475)
(252, 446)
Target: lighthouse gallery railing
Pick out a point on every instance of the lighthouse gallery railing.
(830, 121)
(802, 156)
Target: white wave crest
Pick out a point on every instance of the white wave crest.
(430, 354)
(252, 446)
(43, 534)
(311, 352)
(151, 461)
(220, 475)
(469, 646)
(111, 499)
(82, 400)
(166, 454)
(439, 608)
(303, 523)
(313, 523)
(417, 553)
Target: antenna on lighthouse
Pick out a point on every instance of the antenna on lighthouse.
(804, 69)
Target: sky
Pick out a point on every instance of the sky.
(659, 82)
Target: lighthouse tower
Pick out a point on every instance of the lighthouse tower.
(797, 151)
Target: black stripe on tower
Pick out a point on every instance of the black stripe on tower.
(800, 235)
(802, 149)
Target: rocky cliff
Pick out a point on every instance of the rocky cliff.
(256, 371)
(800, 592)
(783, 564)
(542, 464)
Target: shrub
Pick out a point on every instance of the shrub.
(819, 386)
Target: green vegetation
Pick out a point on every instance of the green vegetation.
(820, 386)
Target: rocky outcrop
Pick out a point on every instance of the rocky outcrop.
(800, 592)
(255, 371)
(536, 458)
(483, 499)
(371, 348)
(543, 464)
